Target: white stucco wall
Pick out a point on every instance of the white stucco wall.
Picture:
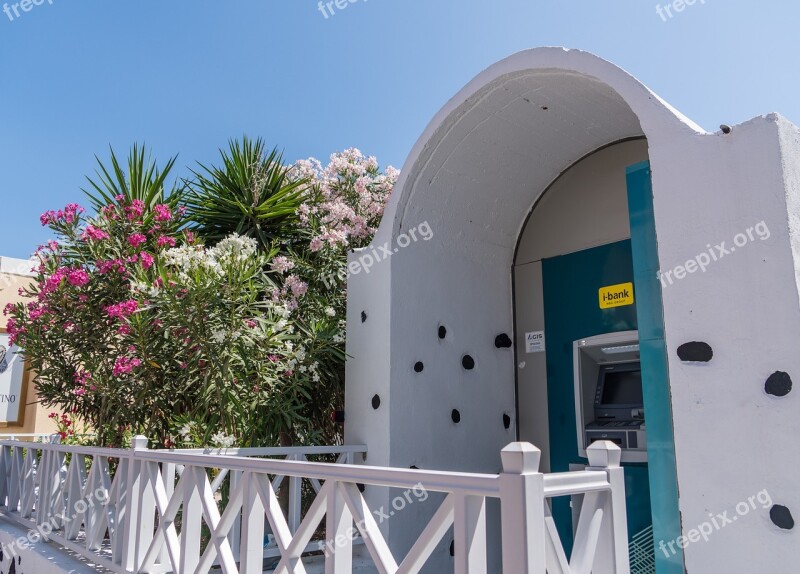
(473, 176)
(732, 440)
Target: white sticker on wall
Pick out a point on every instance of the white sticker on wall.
(534, 342)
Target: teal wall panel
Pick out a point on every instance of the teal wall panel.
(572, 311)
(655, 376)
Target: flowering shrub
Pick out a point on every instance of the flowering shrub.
(338, 209)
(135, 326)
(341, 210)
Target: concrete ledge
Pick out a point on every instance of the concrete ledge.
(17, 266)
(37, 557)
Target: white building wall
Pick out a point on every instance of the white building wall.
(472, 177)
(732, 439)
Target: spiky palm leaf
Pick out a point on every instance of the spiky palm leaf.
(143, 181)
(251, 194)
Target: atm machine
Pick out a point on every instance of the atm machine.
(608, 393)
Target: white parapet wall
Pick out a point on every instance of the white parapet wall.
(12, 266)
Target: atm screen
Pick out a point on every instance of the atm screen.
(623, 387)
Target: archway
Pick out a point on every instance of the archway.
(471, 179)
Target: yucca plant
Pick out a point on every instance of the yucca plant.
(143, 181)
(251, 194)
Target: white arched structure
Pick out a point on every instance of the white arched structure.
(472, 178)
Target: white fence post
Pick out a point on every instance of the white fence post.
(129, 506)
(522, 506)
(612, 546)
(338, 533)
(469, 534)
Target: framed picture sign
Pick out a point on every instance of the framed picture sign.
(13, 383)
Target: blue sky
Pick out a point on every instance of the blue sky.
(184, 76)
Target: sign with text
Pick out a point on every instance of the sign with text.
(12, 380)
(534, 342)
(616, 295)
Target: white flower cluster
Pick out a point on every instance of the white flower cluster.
(190, 257)
(234, 248)
(141, 287)
(222, 440)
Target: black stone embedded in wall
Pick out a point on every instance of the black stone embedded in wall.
(452, 548)
(502, 341)
(376, 402)
(363, 316)
(419, 367)
(456, 416)
(442, 331)
(468, 362)
(361, 488)
(695, 352)
(781, 517)
(779, 384)
(506, 421)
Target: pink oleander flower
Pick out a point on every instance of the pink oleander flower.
(71, 212)
(94, 233)
(68, 215)
(36, 312)
(146, 260)
(124, 329)
(136, 239)
(281, 264)
(296, 285)
(78, 277)
(14, 331)
(166, 240)
(162, 212)
(135, 210)
(109, 211)
(250, 323)
(122, 310)
(124, 365)
(82, 377)
(104, 267)
(52, 282)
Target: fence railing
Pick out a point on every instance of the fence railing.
(140, 510)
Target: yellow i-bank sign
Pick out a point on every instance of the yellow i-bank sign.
(616, 295)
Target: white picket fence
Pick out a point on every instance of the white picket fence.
(139, 510)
